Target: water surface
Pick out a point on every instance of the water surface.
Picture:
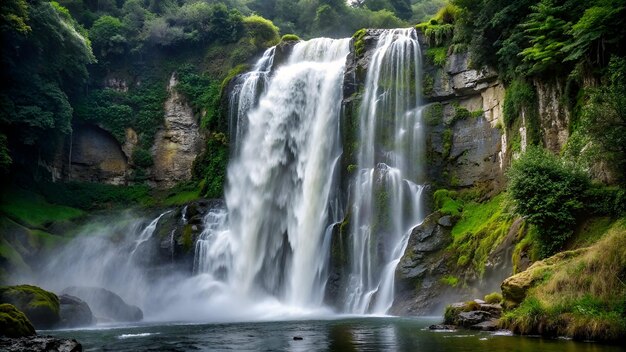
(348, 334)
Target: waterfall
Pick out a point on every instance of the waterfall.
(245, 93)
(281, 201)
(386, 203)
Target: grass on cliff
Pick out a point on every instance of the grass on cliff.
(583, 297)
(32, 210)
(480, 229)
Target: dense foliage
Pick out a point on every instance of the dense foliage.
(533, 37)
(44, 60)
(548, 192)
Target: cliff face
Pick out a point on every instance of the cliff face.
(468, 147)
(178, 142)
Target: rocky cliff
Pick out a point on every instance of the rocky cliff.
(178, 142)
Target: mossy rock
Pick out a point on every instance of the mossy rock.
(14, 323)
(515, 288)
(40, 306)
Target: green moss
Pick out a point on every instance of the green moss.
(446, 202)
(433, 114)
(428, 84)
(289, 37)
(232, 73)
(187, 238)
(437, 55)
(449, 280)
(32, 210)
(480, 229)
(493, 298)
(359, 42)
(90, 196)
(40, 306)
(447, 142)
(14, 323)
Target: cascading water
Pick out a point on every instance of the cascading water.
(265, 254)
(386, 203)
(280, 196)
(244, 96)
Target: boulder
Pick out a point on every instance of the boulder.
(472, 313)
(74, 312)
(487, 325)
(514, 288)
(467, 319)
(40, 344)
(40, 306)
(14, 323)
(105, 304)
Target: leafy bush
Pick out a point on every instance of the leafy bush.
(142, 158)
(548, 192)
(262, 32)
(437, 55)
(519, 95)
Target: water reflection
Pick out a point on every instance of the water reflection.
(346, 335)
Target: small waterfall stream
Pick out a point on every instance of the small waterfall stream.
(386, 196)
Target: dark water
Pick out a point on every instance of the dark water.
(362, 334)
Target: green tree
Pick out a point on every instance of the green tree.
(107, 36)
(548, 192)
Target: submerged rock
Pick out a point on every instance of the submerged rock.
(105, 304)
(14, 323)
(74, 312)
(40, 306)
(40, 343)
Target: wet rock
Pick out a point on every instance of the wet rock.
(74, 312)
(487, 325)
(467, 319)
(14, 323)
(40, 343)
(442, 327)
(106, 304)
(298, 338)
(445, 221)
(468, 314)
(514, 288)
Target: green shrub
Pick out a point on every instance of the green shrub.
(548, 192)
(446, 202)
(142, 158)
(450, 280)
(519, 95)
(262, 32)
(437, 55)
(359, 43)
